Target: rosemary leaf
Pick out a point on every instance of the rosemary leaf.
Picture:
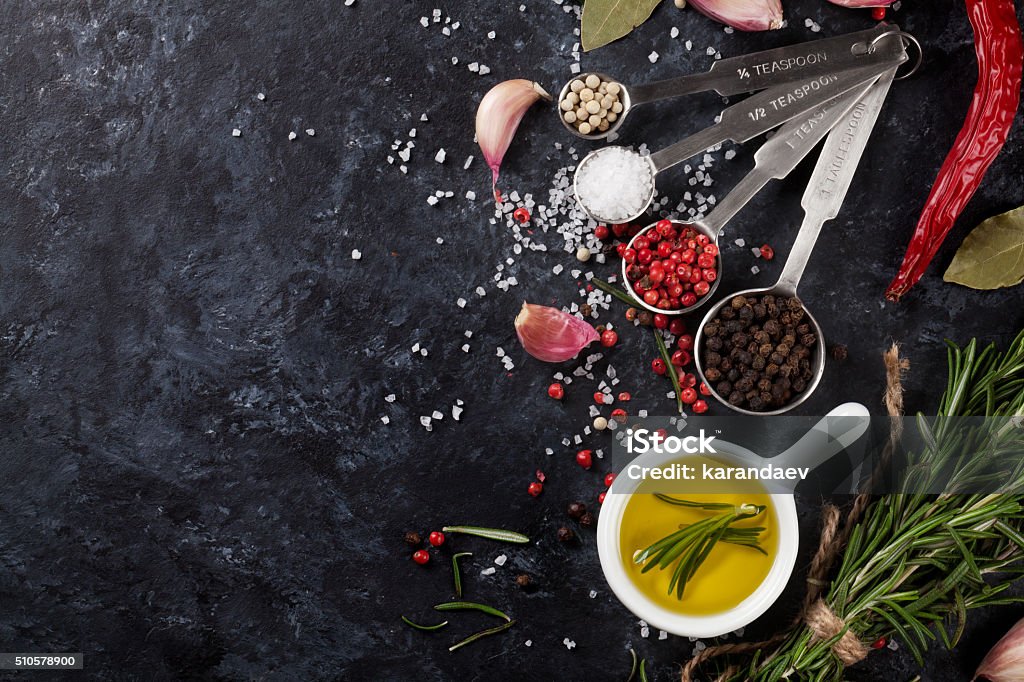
(693, 505)
(498, 534)
(455, 572)
(425, 628)
(670, 368)
(609, 289)
(643, 670)
(471, 606)
(483, 633)
(632, 670)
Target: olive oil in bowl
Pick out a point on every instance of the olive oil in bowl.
(730, 572)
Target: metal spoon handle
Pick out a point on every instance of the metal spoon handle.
(832, 176)
(777, 157)
(767, 109)
(768, 68)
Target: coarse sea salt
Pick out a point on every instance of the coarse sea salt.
(615, 184)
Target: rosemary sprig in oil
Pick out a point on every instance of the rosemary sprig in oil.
(688, 547)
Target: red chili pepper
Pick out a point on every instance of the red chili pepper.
(997, 43)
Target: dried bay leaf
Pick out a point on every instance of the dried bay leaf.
(992, 255)
(606, 20)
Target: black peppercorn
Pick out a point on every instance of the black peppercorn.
(724, 388)
(565, 534)
(576, 510)
(839, 352)
(523, 580)
(587, 520)
(713, 373)
(645, 317)
(412, 538)
(738, 302)
(586, 310)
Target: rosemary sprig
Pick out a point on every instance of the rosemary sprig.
(456, 576)
(609, 289)
(690, 546)
(425, 628)
(499, 534)
(916, 563)
(671, 369)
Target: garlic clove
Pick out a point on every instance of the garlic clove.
(552, 335)
(1005, 662)
(498, 116)
(745, 15)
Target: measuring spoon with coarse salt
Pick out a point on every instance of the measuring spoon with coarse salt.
(737, 75)
(616, 184)
(774, 160)
(821, 202)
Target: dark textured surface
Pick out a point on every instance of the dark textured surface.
(195, 482)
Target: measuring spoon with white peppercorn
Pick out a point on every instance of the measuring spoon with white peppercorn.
(774, 160)
(616, 184)
(821, 202)
(593, 105)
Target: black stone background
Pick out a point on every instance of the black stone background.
(195, 482)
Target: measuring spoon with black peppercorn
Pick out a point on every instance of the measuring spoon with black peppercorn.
(613, 100)
(760, 351)
(657, 264)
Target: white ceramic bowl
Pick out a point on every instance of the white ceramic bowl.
(608, 547)
(831, 435)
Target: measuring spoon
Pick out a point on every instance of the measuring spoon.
(755, 71)
(821, 202)
(774, 160)
(629, 176)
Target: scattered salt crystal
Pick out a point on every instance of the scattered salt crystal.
(469, 160)
(440, 155)
(528, 642)
(424, 21)
(730, 154)
(662, 634)
(465, 348)
(500, 559)
(468, 334)
(260, 96)
(437, 414)
(456, 412)
(292, 136)
(710, 51)
(425, 421)
(754, 269)
(484, 69)
(356, 254)
(386, 419)
(491, 34)
(699, 646)
(593, 594)
(431, 200)
(236, 132)
(471, 195)
(569, 644)
(423, 352)
(574, 67)
(741, 243)
(311, 131)
(440, 240)
(423, 117)
(461, 302)
(689, 45)
(474, 67)
(390, 397)
(480, 291)
(674, 33)
(490, 570)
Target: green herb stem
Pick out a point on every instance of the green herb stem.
(614, 291)
(670, 368)
(425, 628)
(471, 606)
(483, 633)
(498, 534)
(455, 572)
